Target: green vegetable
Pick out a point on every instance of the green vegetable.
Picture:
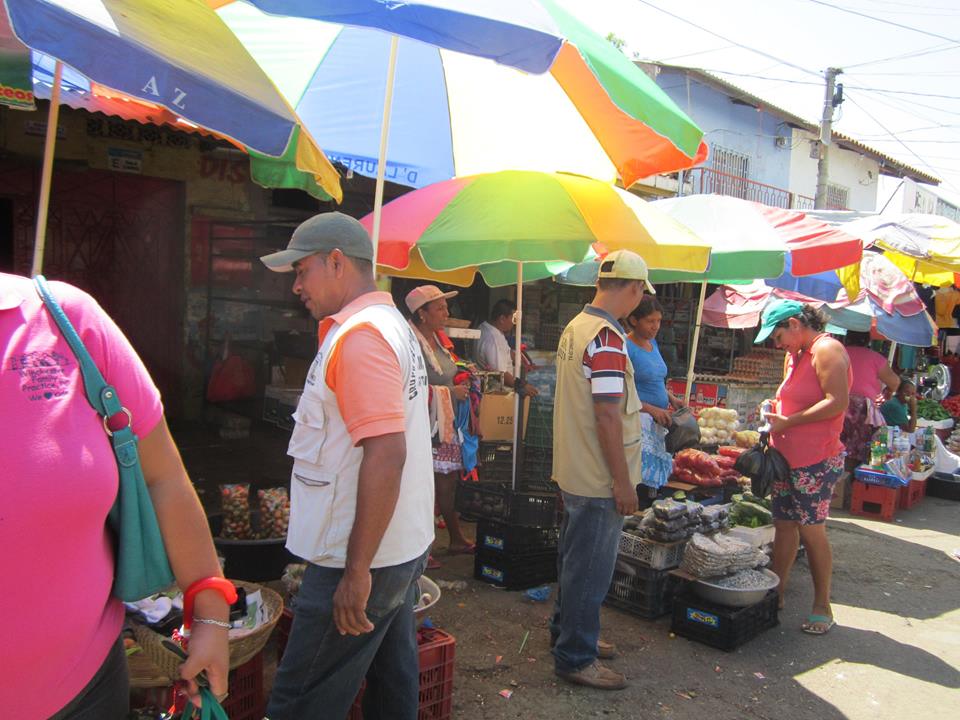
(931, 410)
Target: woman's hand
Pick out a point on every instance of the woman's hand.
(460, 392)
(778, 423)
(207, 651)
(677, 402)
(660, 415)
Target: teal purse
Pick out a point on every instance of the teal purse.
(142, 568)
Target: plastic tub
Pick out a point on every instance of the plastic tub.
(735, 597)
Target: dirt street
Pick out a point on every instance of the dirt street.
(895, 652)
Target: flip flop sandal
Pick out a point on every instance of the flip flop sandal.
(812, 620)
(433, 564)
(465, 550)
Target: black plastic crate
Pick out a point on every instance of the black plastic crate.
(725, 628)
(514, 540)
(495, 461)
(640, 590)
(497, 502)
(515, 572)
(944, 485)
(538, 464)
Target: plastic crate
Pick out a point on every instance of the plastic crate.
(495, 461)
(653, 554)
(497, 502)
(640, 590)
(538, 465)
(725, 628)
(514, 540)
(874, 501)
(912, 494)
(437, 653)
(515, 572)
(876, 477)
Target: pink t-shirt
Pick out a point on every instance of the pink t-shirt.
(58, 481)
(814, 442)
(866, 365)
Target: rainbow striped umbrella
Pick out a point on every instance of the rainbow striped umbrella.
(594, 113)
(544, 222)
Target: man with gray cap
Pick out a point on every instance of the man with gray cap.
(361, 508)
(596, 463)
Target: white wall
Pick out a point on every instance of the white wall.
(858, 173)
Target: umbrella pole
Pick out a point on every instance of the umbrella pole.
(384, 137)
(893, 351)
(695, 343)
(516, 373)
(46, 176)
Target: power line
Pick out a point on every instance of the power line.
(698, 52)
(885, 22)
(906, 56)
(728, 40)
(887, 130)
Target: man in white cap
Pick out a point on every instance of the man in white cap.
(361, 510)
(596, 463)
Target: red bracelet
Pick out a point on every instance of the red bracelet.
(221, 585)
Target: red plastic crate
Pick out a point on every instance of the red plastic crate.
(874, 501)
(245, 701)
(437, 649)
(912, 494)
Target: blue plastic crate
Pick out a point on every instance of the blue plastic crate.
(875, 477)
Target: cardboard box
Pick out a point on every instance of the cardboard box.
(295, 371)
(841, 492)
(496, 417)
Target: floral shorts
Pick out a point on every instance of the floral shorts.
(805, 498)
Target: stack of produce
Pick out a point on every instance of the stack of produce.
(717, 425)
(746, 438)
(235, 503)
(762, 366)
(708, 557)
(698, 468)
(931, 410)
(274, 512)
(675, 519)
(952, 405)
(751, 511)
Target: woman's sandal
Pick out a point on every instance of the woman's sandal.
(468, 549)
(818, 624)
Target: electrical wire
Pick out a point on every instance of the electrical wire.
(906, 56)
(885, 22)
(901, 142)
(726, 39)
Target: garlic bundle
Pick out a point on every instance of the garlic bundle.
(717, 425)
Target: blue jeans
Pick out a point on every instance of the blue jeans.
(589, 536)
(322, 670)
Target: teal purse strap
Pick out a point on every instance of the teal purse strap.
(100, 395)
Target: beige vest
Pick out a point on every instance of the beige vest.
(579, 466)
(326, 463)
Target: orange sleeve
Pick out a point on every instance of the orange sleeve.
(365, 374)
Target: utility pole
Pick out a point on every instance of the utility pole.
(830, 100)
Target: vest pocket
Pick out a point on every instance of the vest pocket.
(309, 432)
(313, 495)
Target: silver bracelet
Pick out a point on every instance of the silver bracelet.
(211, 621)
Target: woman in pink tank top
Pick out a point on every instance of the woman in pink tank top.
(811, 402)
(872, 375)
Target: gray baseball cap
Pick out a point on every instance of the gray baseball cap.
(323, 233)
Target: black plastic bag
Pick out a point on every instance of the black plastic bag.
(763, 464)
(684, 432)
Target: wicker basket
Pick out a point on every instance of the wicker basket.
(242, 647)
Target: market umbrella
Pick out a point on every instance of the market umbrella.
(450, 114)
(175, 53)
(899, 316)
(750, 241)
(517, 225)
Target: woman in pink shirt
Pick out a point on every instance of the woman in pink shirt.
(871, 375)
(64, 657)
(811, 402)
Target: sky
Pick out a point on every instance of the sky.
(901, 62)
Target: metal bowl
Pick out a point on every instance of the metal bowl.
(735, 597)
